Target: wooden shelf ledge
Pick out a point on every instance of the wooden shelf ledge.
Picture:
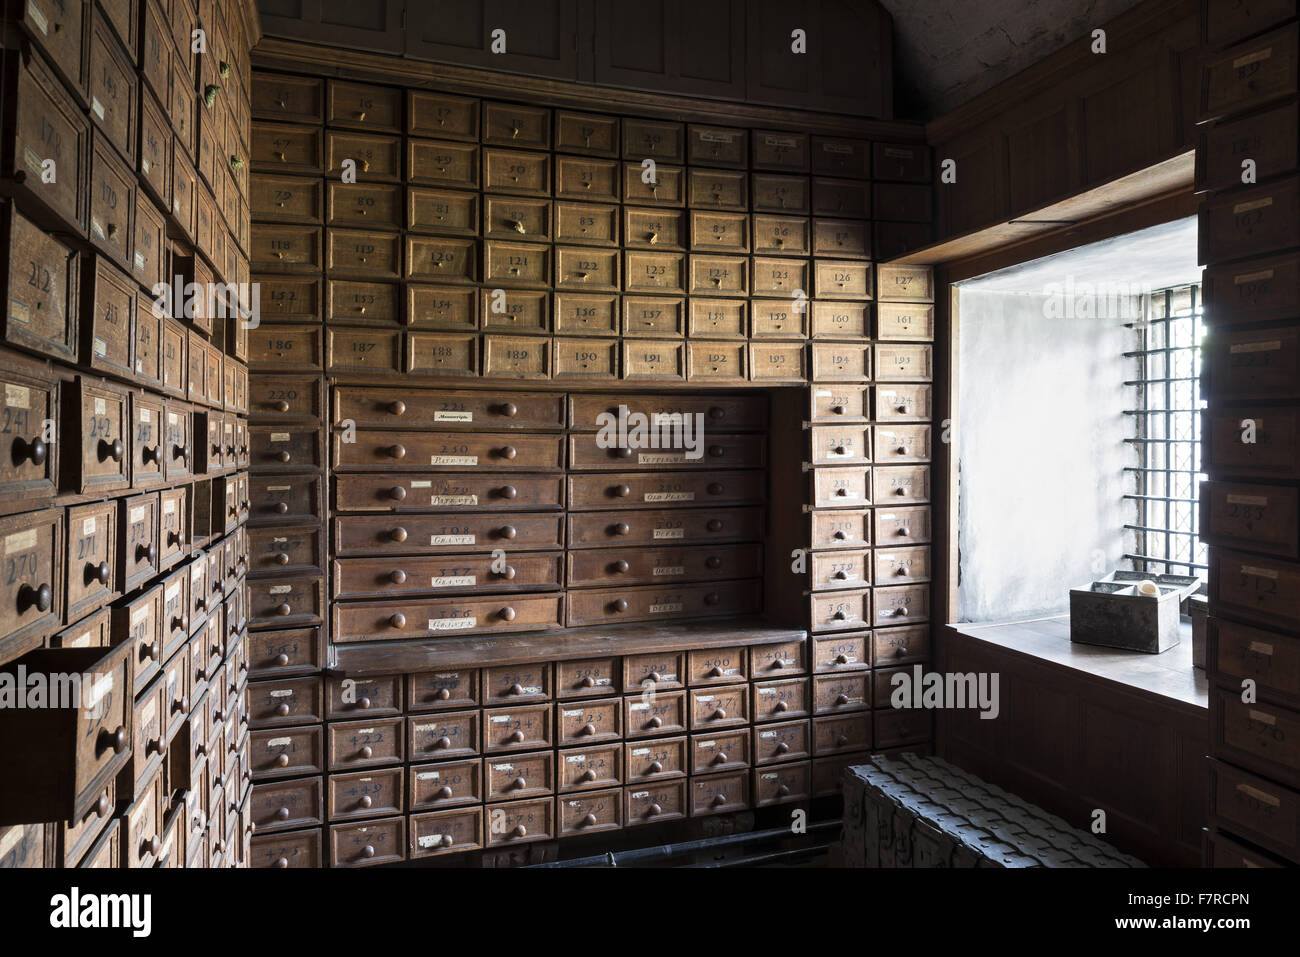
(477, 651)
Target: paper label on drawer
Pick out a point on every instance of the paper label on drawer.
(144, 168)
(17, 396)
(767, 734)
(670, 533)
(500, 718)
(102, 686)
(669, 496)
(455, 675)
(1248, 500)
(169, 506)
(421, 728)
(96, 227)
(1254, 204)
(1259, 56)
(428, 776)
(667, 607)
(37, 16)
(362, 731)
(279, 743)
(139, 615)
(574, 713)
(282, 693)
(137, 515)
(101, 407)
(20, 541)
(279, 488)
(637, 795)
(97, 107)
(706, 744)
(172, 593)
(452, 581)
(640, 752)
(503, 767)
(895, 152)
(705, 698)
(281, 589)
(453, 460)
(661, 458)
(145, 414)
(1261, 717)
(1272, 345)
(421, 483)
(451, 624)
(279, 436)
(670, 570)
(453, 416)
(1261, 648)
(1259, 572)
(575, 759)
(641, 706)
(11, 838)
(149, 712)
(429, 840)
(451, 540)
(452, 499)
(139, 257)
(81, 641)
(1259, 795)
(767, 691)
(1260, 276)
(782, 142)
(710, 136)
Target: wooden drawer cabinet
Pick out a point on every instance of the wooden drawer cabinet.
(445, 784)
(786, 741)
(281, 805)
(426, 619)
(783, 784)
(664, 713)
(436, 451)
(366, 794)
(655, 802)
(373, 842)
(719, 793)
(655, 760)
(590, 766)
(286, 752)
(284, 602)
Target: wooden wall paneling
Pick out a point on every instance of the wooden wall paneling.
(541, 35)
(1043, 154)
(981, 194)
(372, 25)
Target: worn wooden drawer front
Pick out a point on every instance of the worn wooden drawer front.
(592, 721)
(519, 822)
(668, 602)
(722, 707)
(1261, 518)
(586, 357)
(841, 238)
(357, 350)
(778, 319)
(521, 776)
(427, 451)
(902, 443)
(586, 179)
(786, 741)
(515, 263)
(49, 127)
(1260, 221)
(719, 793)
(379, 622)
(1256, 588)
(638, 566)
(592, 812)
(1249, 74)
(789, 782)
(1276, 434)
(517, 728)
(663, 713)
(279, 805)
(840, 611)
(717, 318)
(902, 403)
(450, 164)
(1259, 364)
(700, 452)
(1260, 737)
(444, 735)
(375, 842)
(447, 260)
(842, 487)
(891, 646)
(373, 741)
(434, 354)
(833, 653)
(655, 272)
(42, 291)
(656, 759)
(444, 832)
(445, 784)
(719, 275)
(364, 107)
(293, 199)
(364, 303)
(645, 317)
(442, 115)
(720, 232)
(780, 277)
(442, 690)
(369, 206)
(27, 474)
(840, 570)
(664, 525)
(851, 732)
(286, 752)
(715, 189)
(275, 602)
(659, 671)
(632, 490)
(901, 605)
(1256, 808)
(781, 194)
(91, 563)
(719, 749)
(903, 363)
(380, 158)
(468, 490)
(841, 198)
(901, 485)
(902, 565)
(658, 801)
(657, 360)
(841, 445)
(843, 280)
(776, 361)
(586, 133)
(100, 416)
(286, 148)
(1256, 291)
(374, 578)
(447, 534)
(841, 529)
(738, 413)
(587, 678)
(586, 223)
(284, 448)
(287, 249)
(654, 229)
(781, 235)
(284, 548)
(374, 254)
(781, 151)
(901, 526)
(420, 409)
(658, 186)
(718, 361)
(366, 794)
(442, 307)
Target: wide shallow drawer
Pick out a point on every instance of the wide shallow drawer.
(475, 492)
(446, 534)
(392, 578)
(384, 621)
(435, 451)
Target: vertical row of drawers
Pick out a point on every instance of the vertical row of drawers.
(1250, 510)
(868, 473)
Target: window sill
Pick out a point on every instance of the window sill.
(1169, 676)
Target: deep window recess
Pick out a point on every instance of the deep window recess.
(1166, 432)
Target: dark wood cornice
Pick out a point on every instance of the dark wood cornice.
(1137, 32)
(252, 22)
(275, 53)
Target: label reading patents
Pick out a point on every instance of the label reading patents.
(452, 624)
(453, 460)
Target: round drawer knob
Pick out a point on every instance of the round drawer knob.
(655, 677)
(716, 451)
(507, 613)
(397, 493)
(719, 714)
(282, 558)
(712, 598)
(282, 508)
(519, 784)
(100, 573)
(282, 659)
(842, 699)
(588, 775)
(442, 694)
(781, 706)
(398, 620)
(397, 451)
(781, 747)
(622, 491)
(509, 452)
(717, 412)
(443, 743)
(152, 845)
(507, 573)
(901, 450)
(116, 740)
(783, 789)
(285, 456)
(367, 752)
(715, 488)
(282, 862)
(283, 814)
(508, 409)
(900, 651)
(623, 452)
(720, 757)
(900, 612)
(719, 800)
(841, 659)
(901, 570)
(715, 672)
(364, 704)
(516, 736)
(655, 722)
(841, 575)
(282, 760)
(619, 604)
(282, 406)
(842, 740)
(508, 531)
(840, 535)
(622, 528)
(444, 792)
(900, 491)
(620, 567)
(397, 576)
(508, 491)
(102, 805)
(520, 831)
(368, 851)
(397, 407)
(588, 681)
(902, 410)
(282, 710)
(448, 840)
(149, 454)
(589, 821)
(715, 525)
(284, 608)
(588, 729)
(111, 450)
(366, 800)
(840, 616)
(516, 689)
(653, 810)
(398, 534)
(656, 767)
(838, 409)
(839, 450)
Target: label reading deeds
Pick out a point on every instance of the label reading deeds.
(453, 416)
(451, 624)
(670, 533)
(453, 460)
(665, 608)
(670, 570)
(451, 539)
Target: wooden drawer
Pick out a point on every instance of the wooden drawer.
(512, 684)
(891, 646)
(287, 249)
(781, 235)
(447, 260)
(719, 275)
(777, 362)
(902, 403)
(286, 701)
(286, 752)
(291, 298)
(495, 491)
(139, 552)
(507, 171)
(285, 602)
(842, 403)
(841, 610)
(655, 760)
(739, 413)
(586, 315)
(654, 185)
(1249, 74)
(1255, 808)
(654, 360)
(1259, 589)
(112, 88)
(579, 722)
(294, 849)
(719, 793)
(280, 96)
(587, 678)
(838, 734)
(781, 194)
(590, 180)
(443, 736)
(591, 812)
(435, 451)
(831, 570)
(379, 622)
(658, 229)
(717, 318)
(432, 354)
(421, 409)
(577, 268)
(717, 146)
(1260, 518)
(1259, 737)
(783, 784)
(389, 578)
(442, 690)
(281, 805)
(841, 198)
(661, 141)
(287, 199)
(1272, 454)
(901, 605)
(446, 832)
(362, 303)
(637, 451)
(284, 448)
(781, 151)
(365, 107)
(847, 320)
(902, 526)
(371, 254)
(842, 487)
(27, 474)
(1260, 220)
(281, 500)
(520, 822)
(378, 207)
(514, 125)
(634, 490)
(142, 826)
(440, 114)
(284, 549)
(282, 652)
(652, 318)
(446, 534)
(366, 743)
(59, 33)
(366, 794)
(586, 358)
(717, 666)
(778, 660)
(786, 741)
(517, 728)
(1255, 364)
(661, 672)
(778, 319)
(901, 485)
(519, 776)
(91, 558)
(445, 784)
(363, 351)
(374, 842)
(285, 148)
(379, 158)
(834, 279)
(723, 707)
(655, 272)
(1261, 290)
(841, 529)
(656, 802)
(841, 238)
(835, 653)
(42, 283)
(438, 163)
(504, 217)
(841, 445)
(586, 133)
(779, 277)
(651, 715)
(716, 189)
(519, 264)
(720, 750)
(442, 307)
(658, 526)
(902, 443)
